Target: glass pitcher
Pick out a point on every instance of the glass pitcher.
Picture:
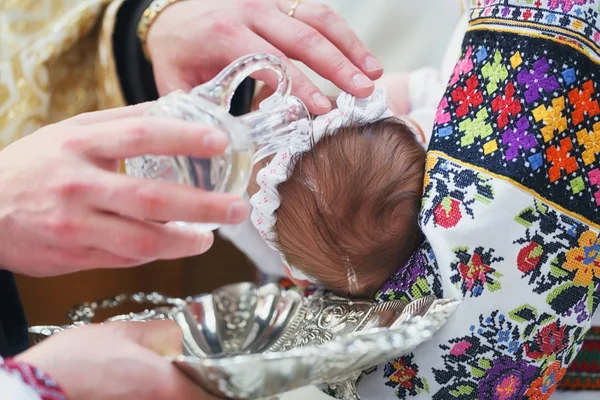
(281, 118)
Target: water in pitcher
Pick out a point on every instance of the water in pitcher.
(280, 120)
(226, 173)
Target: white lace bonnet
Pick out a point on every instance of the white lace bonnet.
(266, 201)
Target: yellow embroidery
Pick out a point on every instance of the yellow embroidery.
(490, 147)
(585, 259)
(517, 185)
(591, 141)
(553, 119)
(516, 60)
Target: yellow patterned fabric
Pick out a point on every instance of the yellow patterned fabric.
(56, 61)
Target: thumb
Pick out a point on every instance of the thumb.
(163, 337)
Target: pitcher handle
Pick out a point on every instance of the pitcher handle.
(221, 88)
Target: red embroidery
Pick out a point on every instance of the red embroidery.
(466, 98)
(583, 103)
(41, 383)
(506, 105)
(560, 159)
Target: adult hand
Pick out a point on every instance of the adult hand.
(64, 207)
(191, 41)
(120, 360)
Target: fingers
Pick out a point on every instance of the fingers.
(56, 260)
(171, 79)
(163, 337)
(304, 43)
(90, 258)
(164, 201)
(302, 87)
(143, 241)
(110, 114)
(131, 137)
(333, 27)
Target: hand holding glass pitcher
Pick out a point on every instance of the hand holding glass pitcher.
(280, 119)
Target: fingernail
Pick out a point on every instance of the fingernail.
(215, 140)
(237, 212)
(321, 101)
(372, 64)
(205, 242)
(360, 81)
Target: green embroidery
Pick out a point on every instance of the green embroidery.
(474, 128)
(495, 72)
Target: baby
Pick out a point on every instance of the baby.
(342, 208)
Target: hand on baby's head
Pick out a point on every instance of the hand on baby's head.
(348, 213)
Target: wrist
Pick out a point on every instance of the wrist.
(37, 380)
(151, 14)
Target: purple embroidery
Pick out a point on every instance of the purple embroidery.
(506, 379)
(567, 5)
(518, 138)
(408, 275)
(537, 79)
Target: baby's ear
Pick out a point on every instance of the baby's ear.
(297, 282)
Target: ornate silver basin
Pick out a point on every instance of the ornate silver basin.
(248, 342)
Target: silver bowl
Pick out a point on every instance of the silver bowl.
(248, 342)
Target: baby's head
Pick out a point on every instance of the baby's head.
(348, 213)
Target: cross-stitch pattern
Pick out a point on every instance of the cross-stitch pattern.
(540, 127)
(510, 209)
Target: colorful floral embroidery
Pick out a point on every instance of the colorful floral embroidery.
(585, 259)
(552, 117)
(505, 358)
(463, 67)
(582, 102)
(569, 251)
(473, 272)
(510, 208)
(416, 279)
(518, 138)
(548, 342)
(495, 72)
(539, 126)
(505, 105)
(543, 387)
(537, 80)
(454, 191)
(467, 97)
(402, 375)
(590, 140)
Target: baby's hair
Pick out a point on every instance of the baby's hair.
(348, 213)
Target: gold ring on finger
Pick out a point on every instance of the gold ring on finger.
(294, 7)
